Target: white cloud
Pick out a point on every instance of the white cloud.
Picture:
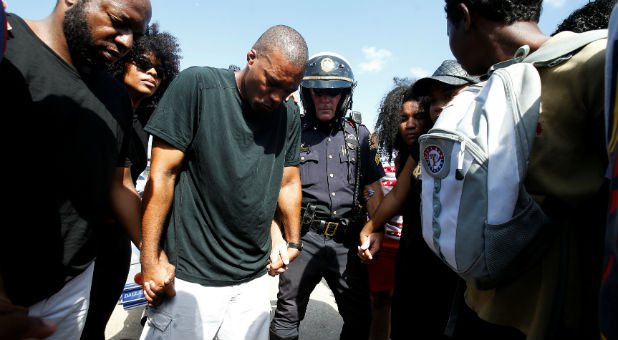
(555, 3)
(375, 59)
(418, 72)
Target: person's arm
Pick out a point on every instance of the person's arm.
(373, 240)
(288, 214)
(125, 203)
(388, 207)
(373, 200)
(157, 272)
(279, 257)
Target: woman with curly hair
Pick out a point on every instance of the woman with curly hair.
(146, 72)
(403, 117)
(401, 120)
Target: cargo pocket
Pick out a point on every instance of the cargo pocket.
(515, 246)
(160, 323)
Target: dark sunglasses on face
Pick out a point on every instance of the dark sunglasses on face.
(144, 64)
(326, 92)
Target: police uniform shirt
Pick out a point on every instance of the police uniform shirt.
(328, 158)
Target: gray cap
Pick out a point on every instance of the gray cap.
(450, 73)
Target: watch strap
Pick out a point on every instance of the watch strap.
(297, 246)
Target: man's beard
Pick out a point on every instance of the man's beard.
(78, 36)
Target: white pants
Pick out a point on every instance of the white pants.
(198, 312)
(68, 307)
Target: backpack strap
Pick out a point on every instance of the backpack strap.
(550, 55)
(555, 53)
(519, 56)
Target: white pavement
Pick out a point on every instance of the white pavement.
(322, 320)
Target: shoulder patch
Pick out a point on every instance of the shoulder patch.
(372, 145)
(350, 141)
(377, 158)
(434, 157)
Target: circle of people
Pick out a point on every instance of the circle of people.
(219, 177)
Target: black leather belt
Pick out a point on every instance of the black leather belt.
(330, 228)
(336, 228)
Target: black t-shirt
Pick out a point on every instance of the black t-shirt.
(218, 229)
(63, 137)
(138, 149)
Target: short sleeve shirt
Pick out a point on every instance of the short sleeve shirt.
(218, 228)
(65, 133)
(328, 162)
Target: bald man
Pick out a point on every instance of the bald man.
(225, 158)
(66, 150)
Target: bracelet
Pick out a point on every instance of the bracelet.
(297, 246)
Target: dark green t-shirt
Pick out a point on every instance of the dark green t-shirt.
(218, 229)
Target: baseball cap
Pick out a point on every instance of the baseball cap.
(449, 73)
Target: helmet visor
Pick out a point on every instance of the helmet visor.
(321, 82)
(331, 92)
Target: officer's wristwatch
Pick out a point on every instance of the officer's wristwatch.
(297, 246)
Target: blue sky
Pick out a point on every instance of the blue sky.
(381, 39)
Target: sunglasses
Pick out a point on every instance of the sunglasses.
(144, 64)
(326, 92)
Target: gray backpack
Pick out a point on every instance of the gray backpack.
(476, 214)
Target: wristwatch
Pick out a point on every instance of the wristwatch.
(297, 246)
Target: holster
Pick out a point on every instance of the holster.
(307, 215)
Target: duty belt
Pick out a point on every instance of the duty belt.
(333, 228)
(336, 228)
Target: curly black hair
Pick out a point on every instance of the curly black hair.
(389, 118)
(592, 16)
(166, 50)
(503, 11)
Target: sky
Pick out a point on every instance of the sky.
(381, 39)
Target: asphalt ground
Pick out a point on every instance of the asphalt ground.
(322, 320)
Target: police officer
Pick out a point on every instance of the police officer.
(336, 155)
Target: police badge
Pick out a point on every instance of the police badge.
(327, 64)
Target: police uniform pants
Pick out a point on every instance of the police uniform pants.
(346, 276)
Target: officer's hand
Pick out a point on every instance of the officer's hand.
(278, 264)
(279, 259)
(15, 323)
(370, 245)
